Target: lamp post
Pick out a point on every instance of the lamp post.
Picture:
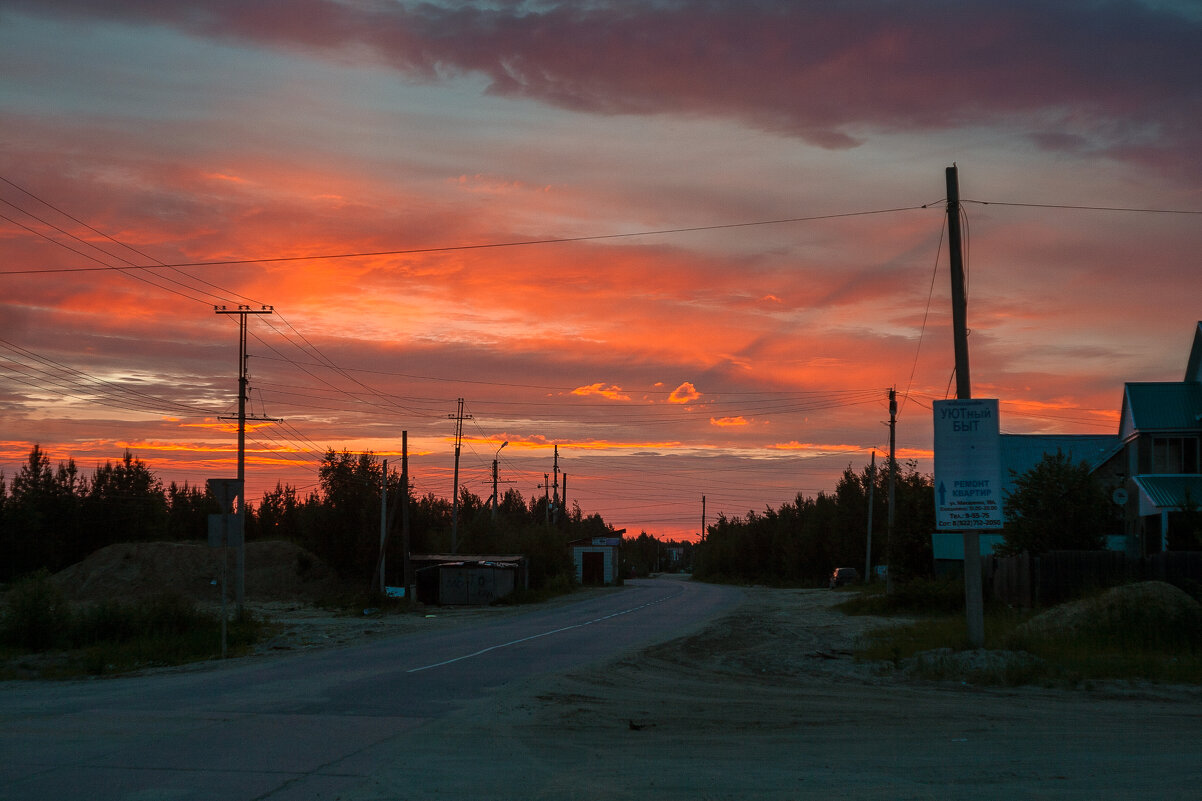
(495, 499)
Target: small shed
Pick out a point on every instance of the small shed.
(468, 580)
(596, 559)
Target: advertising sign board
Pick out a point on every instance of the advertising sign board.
(968, 486)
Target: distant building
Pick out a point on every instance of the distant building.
(596, 559)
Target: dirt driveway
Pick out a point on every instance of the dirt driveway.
(767, 703)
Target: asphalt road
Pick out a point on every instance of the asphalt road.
(307, 725)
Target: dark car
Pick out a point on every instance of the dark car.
(844, 575)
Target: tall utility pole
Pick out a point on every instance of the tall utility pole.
(495, 498)
(871, 500)
(407, 568)
(555, 487)
(889, 549)
(240, 552)
(974, 603)
(703, 518)
(459, 417)
(383, 523)
(564, 497)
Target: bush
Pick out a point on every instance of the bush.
(36, 617)
(112, 636)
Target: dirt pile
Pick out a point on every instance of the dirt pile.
(1148, 611)
(275, 571)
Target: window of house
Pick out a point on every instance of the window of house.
(1175, 455)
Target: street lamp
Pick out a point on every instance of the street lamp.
(495, 499)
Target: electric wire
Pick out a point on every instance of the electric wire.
(484, 246)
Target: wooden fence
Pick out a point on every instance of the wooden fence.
(1057, 576)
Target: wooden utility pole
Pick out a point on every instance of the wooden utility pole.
(407, 566)
(703, 518)
(458, 417)
(240, 551)
(555, 487)
(564, 498)
(383, 523)
(496, 499)
(889, 549)
(974, 603)
(871, 499)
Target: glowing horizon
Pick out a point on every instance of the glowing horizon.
(732, 212)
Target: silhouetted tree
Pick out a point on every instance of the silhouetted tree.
(188, 510)
(804, 540)
(1057, 505)
(125, 502)
(42, 516)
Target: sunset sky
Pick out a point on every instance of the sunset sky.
(691, 243)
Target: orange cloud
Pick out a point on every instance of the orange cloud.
(813, 446)
(543, 443)
(724, 422)
(685, 393)
(613, 392)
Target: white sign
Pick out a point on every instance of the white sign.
(968, 486)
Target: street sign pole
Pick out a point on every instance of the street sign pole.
(968, 488)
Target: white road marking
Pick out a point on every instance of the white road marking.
(545, 634)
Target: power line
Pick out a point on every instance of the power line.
(1081, 208)
(483, 246)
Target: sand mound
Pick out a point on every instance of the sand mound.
(1149, 610)
(275, 571)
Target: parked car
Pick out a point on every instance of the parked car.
(844, 575)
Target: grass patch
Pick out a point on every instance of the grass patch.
(921, 597)
(42, 636)
(1111, 638)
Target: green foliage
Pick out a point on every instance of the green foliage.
(36, 616)
(1185, 527)
(124, 502)
(919, 596)
(53, 518)
(1126, 640)
(114, 636)
(1057, 505)
(803, 541)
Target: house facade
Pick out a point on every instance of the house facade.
(1156, 466)
(1153, 465)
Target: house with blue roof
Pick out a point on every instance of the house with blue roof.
(1153, 463)
(1157, 462)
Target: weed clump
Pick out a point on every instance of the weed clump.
(36, 616)
(114, 636)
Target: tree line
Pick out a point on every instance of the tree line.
(802, 541)
(53, 516)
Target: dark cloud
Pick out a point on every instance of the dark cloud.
(1120, 72)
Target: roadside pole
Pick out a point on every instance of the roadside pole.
(871, 499)
(974, 603)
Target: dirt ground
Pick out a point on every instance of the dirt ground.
(767, 702)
